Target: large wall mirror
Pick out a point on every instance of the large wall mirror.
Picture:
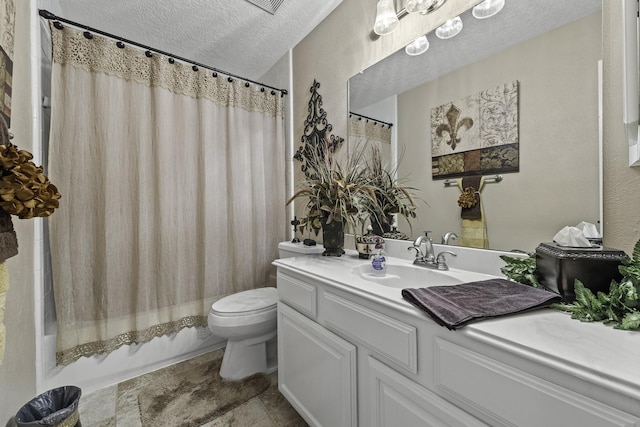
(553, 49)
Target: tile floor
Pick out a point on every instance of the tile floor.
(118, 406)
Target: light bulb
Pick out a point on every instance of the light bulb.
(418, 46)
(418, 5)
(449, 29)
(386, 19)
(487, 9)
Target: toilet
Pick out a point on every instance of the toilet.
(247, 320)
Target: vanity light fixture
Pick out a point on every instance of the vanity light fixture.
(487, 8)
(449, 29)
(420, 6)
(386, 18)
(417, 47)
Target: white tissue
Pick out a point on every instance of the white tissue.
(571, 236)
(589, 230)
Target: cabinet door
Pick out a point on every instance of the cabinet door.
(316, 370)
(394, 400)
(511, 397)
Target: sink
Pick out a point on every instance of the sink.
(409, 276)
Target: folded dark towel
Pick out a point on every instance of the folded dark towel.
(8, 238)
(456, 305)
(4, 132)
(473, 212)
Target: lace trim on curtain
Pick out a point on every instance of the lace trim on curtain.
(136, 337)
(100, 54)
(369, 131)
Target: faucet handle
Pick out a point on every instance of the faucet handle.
(447, 236)
(418, 251)
(440, 260)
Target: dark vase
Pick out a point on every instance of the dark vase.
(332, 238)
(380, 227)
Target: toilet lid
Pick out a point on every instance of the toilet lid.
(251, 301)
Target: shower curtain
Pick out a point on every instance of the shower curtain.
(363, 132)
(173, 189)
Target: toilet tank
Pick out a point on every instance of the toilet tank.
(288, 249)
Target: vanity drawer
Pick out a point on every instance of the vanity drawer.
(395, 400)
(511, 397)
(298, 294)
(392, 339)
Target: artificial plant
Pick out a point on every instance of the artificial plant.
(521, 270)
(392, 196)
(619, 307)
(334, 189)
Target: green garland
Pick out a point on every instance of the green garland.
(619, 307)
(521, 270)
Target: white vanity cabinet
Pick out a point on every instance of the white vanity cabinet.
(351, 356)
(316, 370)
(334, 358)
(395, 400)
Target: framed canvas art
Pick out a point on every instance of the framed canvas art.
(7, 30)
(476, 135)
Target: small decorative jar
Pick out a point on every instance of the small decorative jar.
(395, 234)
(365, 244)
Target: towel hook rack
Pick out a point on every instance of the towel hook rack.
(453, 182)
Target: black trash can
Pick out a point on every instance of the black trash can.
(56, 407)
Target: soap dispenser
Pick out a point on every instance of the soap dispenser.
(379, 259)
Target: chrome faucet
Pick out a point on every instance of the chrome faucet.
(441, 264)
(447, 236)
(426, 257)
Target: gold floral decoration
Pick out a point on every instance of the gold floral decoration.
(25, 191)
(468, 198)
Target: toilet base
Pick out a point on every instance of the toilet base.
(246, 357)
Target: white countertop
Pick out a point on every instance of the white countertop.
(592, 351)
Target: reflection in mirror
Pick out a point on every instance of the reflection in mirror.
(552, 50)
(365, 130)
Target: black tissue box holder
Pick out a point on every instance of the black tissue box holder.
(559, 267)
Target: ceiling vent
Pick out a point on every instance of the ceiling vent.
(269, 5)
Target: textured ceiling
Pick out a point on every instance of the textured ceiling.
(241, 38)
(518, 21)
(231, 35)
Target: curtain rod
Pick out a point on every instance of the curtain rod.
(50, 16)
(369, 118)
(451, 182)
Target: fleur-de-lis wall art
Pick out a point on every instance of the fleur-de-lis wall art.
(453, 125)
(476, 135)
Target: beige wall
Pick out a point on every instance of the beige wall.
(340, 47)
(18, 369)
(558, 183)
(621, 183)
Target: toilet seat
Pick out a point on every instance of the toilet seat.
(246, 303)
